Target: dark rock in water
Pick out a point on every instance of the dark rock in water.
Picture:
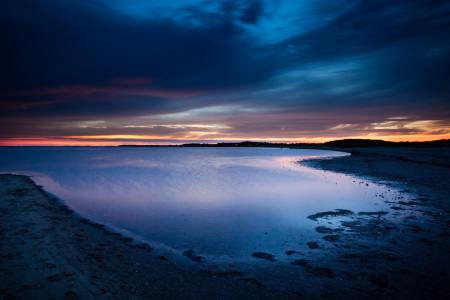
(145, 246)
(192, 256)
(323, 229)
(266, 256)
(162, 257)
(312, 245)
(332, 237)
(290, 252)
(369, 228)
(412, 203)
(335, 213)
(373, 213)
(316, 271)
(300, 262)
(126, 239)
(397, 208)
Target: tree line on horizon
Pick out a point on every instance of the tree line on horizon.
(344, 143)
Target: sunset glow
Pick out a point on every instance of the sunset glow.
(163, 73)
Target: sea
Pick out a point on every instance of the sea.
(222, 203)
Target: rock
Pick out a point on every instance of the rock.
(332, 237)
(316, 271)
(312, 245)
(266, 256)
(335, 213)
(192, 256)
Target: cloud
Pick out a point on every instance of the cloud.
(252, 12)
(336, 67)
(83, 42)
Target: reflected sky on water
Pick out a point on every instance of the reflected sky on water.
(218, 201)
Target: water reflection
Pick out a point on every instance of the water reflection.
(214, 200)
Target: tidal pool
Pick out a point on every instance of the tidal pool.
(223, 203)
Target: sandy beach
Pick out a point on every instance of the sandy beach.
(424, 171)
(48, 252)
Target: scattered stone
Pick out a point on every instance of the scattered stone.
(266, 256)
(336, 213)
(192, 256)
(126, 239)
(316, 271)
(397, 208)
(312, 245)
(323, 229)
(145, 246)
(369, 228)
(373, 213)
(332, 237)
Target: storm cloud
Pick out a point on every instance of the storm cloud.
(277, 70)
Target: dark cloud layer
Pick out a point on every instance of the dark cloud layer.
(346, 63)
(52, 42)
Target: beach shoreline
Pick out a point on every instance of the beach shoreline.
(422, 171)
(48, 251)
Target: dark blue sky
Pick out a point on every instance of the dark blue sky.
(277, 70)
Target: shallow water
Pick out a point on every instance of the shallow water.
(224, 203)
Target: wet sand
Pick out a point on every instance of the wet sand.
(47, 251)
(424, 171)
(416, 248)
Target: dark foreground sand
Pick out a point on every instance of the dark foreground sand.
(46, 251)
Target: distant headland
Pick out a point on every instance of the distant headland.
(344, 143)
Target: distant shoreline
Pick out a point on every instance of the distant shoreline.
(342, 144)
(345, 143)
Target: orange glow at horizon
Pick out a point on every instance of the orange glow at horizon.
(45, 142)
(119, 137)
(117, 140)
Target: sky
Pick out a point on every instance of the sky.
(112, 72)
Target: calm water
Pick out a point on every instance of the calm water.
(224, 203)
